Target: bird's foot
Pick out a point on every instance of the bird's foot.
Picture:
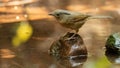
(71, 36)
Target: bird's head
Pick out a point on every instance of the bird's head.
(58, 14)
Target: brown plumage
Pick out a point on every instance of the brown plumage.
(73, 20)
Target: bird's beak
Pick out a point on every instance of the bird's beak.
(51, 14)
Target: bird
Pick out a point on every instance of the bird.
(73, 20)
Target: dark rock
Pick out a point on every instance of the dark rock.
(69, 50)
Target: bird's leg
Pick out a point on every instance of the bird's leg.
(72, 37)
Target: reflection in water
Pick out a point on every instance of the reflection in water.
(69, 50)
(6, 53)
(17, 63)
(74, 62)
(113, 57)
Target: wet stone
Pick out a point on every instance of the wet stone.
(69, 50)
(113, 43)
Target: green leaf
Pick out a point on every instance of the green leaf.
(102, 63)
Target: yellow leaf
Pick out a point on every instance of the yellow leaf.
(16, 41)
(24, 31)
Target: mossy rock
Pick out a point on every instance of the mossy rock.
(113, 43)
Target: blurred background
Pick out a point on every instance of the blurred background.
(27, 32)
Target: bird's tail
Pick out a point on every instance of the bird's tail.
(100, 17)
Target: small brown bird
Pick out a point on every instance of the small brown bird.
(73, 20)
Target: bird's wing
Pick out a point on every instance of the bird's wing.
(79, 17)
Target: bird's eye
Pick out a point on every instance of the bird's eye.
(57, 14)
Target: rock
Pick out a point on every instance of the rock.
(69, 50)
(113, 43)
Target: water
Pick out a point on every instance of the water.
(34, 52)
